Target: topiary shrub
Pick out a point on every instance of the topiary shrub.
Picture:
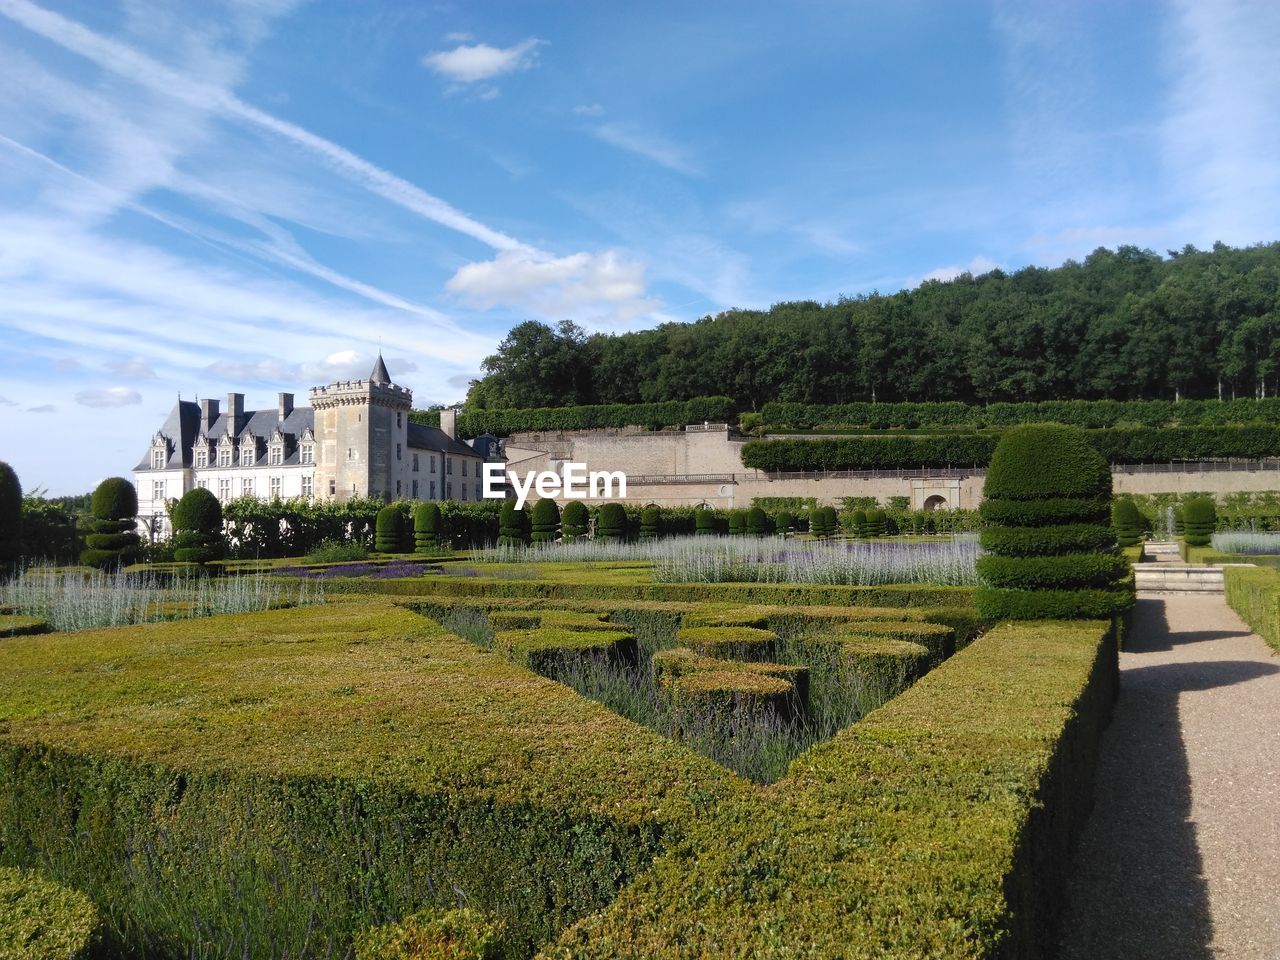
(461, 934)
(650, 522)
(706, 523)
(830, 522)
(513, 524)
(44, 920)
(1049, 547)
(545, 521)
(859, 520)
(737, 522)
(1179, 521)
(876, 525)
(611, 522)
(757, 522)
(575, 520)
(1199, 518)
(427, 527)
(818, 524)
(1127, 522)
(10, 515)
(783, 522)
(389, 529)
(197, 527)
(113, 538)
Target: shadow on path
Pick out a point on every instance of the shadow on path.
(1137, 889)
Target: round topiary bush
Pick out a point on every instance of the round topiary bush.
(113, 539)
(575, 520)
(705, 523)
(10, 514)
(737, 522)
(1199, 518)
(757, 522)
(1127, 522)
(545, 521)
(650, 522)
(197, 527)
(389, 529)
(513, 524)
(783, 521)
(427, 527)
(818, 524)
(611, 522)
(1050, 550)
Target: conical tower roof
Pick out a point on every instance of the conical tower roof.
(380, 375)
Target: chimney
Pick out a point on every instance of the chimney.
(284, 404)
(449, 423)
(235, 413)
(208, 414)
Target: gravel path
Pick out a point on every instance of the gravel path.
(1181, 857)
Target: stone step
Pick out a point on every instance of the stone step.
(1177, 578)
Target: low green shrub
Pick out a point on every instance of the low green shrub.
(1254, 593)
(43, 920)
(783, 521)
(729, 643)
(706, 523)
(16, 625)
(737, 522)
(337, 551)
(546, 650)
(757, 522)
(461, 934)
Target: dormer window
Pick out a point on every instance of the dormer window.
(226, 451)
(159, 451)
(157, 459)
(248, 450)
(308, 454)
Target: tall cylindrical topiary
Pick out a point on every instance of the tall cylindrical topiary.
(113, 532)
(705, 523)
(1127, 522)
(1199, 518)
(10, 515)
(388, 529)
(757, 522)
(427, 527)
(818, 524)
(611, 522)
(575, 520)
(737, 522)
(513, 524)
(1046, 529)
(875, 526)
(650, 522)
(830, 521)
(859, 520)
(545, 521)
(1179, 518)
(197, 527)
(783, 521)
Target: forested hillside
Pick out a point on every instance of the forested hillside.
(1124, 324)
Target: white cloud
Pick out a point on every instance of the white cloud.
(601, 287)
(476, 62)
(6, 402)
(43, 408)
(340, 365)
(978, 265)
(589, 110)
(647, 145)
(108, 397)
(134, 369)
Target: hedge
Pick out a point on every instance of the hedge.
(729, 643)
(548, 650)
(397, 769)
(113, 539)
(461, 934)
(654, 416)
(848, 856)
(10, 514)
(1142, 445)
(1254, 593)
(43, 920)
(17, 625)
(1090, 414)
(1014, 541)
(650, 522)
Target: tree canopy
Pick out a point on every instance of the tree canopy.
(1123, 324)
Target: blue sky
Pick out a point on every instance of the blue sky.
(251, 195)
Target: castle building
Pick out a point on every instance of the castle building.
(355, 440)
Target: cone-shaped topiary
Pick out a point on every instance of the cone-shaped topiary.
(575, 520)
(388, 529)
(113, 538)
(513, 524)
(545, 521)
(783, 521)
(611, 522)
(1046, 514)
(10, 515)
(706, 523)
(1127, 522)
(197, 527)
(1199, 518)
(427, 527)
(757, 522)
(650, 522)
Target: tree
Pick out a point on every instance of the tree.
(197, 527)
(113, 540)
(575, 520)
(10, 515)
(1050, 550)
(545, 521)
(427, 527)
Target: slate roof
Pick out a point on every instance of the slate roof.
(422, 437)
(380, 375)
(183, 426)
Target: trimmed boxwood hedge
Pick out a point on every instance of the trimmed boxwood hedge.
(428, 527)
(10, 514)
(17, 625)
(503, 423)
(389, 530)
(461, 934)
(513, 524)
(1254, 593)
(113, 539)
(43, 920)
(729, 643)
(848, 855)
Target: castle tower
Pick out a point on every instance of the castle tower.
(361, 429)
